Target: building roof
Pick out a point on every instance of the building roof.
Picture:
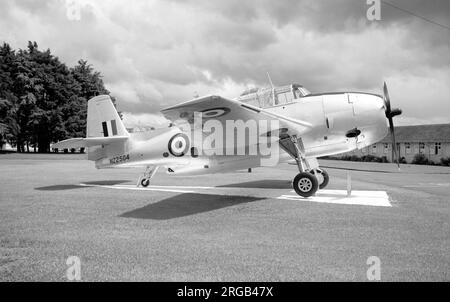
(421, 133)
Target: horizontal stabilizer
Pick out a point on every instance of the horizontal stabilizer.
(88, 142)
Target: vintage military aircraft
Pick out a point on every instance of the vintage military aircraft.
(308, 126)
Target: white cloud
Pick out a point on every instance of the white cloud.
(133, 120)
(153, 54)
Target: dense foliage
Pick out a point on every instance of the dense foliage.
(41, 99)
(420, 159)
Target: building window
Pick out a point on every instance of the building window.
(421, 148)
(385, 148)
(408, 148)
(374, 148)
(437, 148)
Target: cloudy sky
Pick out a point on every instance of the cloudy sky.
(156, 53)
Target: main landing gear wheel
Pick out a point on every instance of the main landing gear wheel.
(305, 184)
(148, 174)
(145, 182)
(322, 178)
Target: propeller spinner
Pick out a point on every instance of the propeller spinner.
(390, 113)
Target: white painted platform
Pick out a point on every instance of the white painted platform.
(365, 198)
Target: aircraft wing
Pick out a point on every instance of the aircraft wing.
(222, 109)
(88, 142)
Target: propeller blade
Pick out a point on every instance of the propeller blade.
(387, 99)
(390, 113)
(394, 145)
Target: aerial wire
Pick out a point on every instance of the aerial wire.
(415, 15)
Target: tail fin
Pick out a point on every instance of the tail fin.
(106, 135)
(103, 119)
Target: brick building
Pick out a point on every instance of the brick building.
(431, 140)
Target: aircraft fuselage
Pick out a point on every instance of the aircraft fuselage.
(339, 122)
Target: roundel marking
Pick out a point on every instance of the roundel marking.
(215, 112)
(179, 144)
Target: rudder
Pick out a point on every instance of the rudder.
(103, 119)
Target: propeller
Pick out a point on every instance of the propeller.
(390, 113)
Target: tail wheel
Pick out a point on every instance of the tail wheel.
(322, 178)
(145, 182)
(305, 184)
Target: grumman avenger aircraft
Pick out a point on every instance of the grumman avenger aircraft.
(307, 126)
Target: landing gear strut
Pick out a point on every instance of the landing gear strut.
(310, 178)
(148, 174)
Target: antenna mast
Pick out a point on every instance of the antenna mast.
(270, 80)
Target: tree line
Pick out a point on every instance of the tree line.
(41, 99)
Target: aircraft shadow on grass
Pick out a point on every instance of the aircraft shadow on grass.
(187, 204)
(71, 187)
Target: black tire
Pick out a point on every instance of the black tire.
(145, 182)
(326, 178)
(305, 184)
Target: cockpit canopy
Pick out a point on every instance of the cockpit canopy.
(300, 90)
(269, 97)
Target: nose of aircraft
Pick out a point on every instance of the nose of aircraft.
(374, 112)
(369, 108)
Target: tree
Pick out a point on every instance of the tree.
(90, 84)
(90, 81)
(3, 132)
(7, 59)
(11, 116)
(42, 100)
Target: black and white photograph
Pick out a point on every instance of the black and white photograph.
(255, 142)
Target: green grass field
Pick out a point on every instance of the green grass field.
(236, 231)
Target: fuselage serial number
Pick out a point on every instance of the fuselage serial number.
(119, 159)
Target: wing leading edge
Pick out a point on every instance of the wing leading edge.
(222, 109)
